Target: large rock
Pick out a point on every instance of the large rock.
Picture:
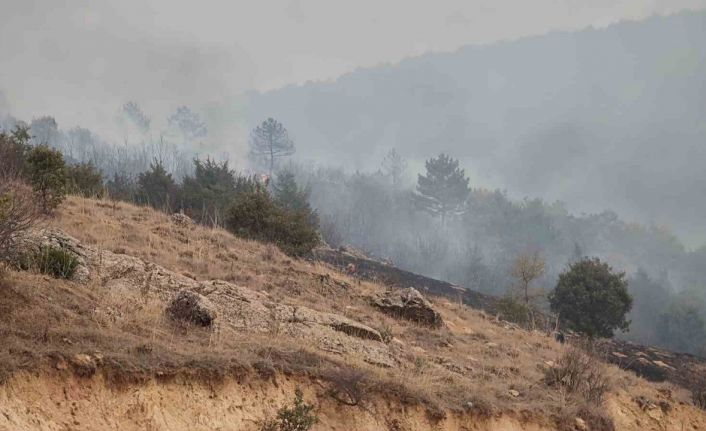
(409, 304)
(191, 307)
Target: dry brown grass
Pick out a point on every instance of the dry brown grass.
(474, 364)
(580, 373)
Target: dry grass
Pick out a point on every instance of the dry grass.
(474, 364)
(580, 373)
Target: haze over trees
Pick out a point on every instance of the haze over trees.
(187, 124)
(444, 189)
(394, 166)
(541, 117)
(270, 142)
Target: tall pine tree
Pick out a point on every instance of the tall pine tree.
(270, 141)
(443, 191)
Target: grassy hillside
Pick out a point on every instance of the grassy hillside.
(103, 340)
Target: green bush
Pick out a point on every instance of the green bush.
(122, 187)
(256, 216)
(54, 261)
(46, 172)
(85, 179)
(299, 417)
(14, 148)
(157, 187)
(592, 299)
(205, 195)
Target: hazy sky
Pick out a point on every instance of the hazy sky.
(79, 60)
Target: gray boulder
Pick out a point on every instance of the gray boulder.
(409, 304)
(191, 307)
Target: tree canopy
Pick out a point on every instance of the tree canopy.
(270, 141)
(443, 191)
(592, 299)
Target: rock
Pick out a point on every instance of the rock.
(61, 364)
(191, 307)
(32, 241)
(619, 355)
(181, 219)
(409, 304)
(663, 365)
(83, 365)
(513, 393)
(355, 329)
(580, 424)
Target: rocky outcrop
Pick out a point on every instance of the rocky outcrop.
(409, 304)
(181, 219)
(33, 241)
(192, 308)
(239, 309)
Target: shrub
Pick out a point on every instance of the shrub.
(592, 299)
(18, 213)
(256, 216)
(698, 393)
(386, 334)
(290, 196)
(157, 187)
(54, 261)
(581, 374)
(207, 193)
(514, 311)
(349, 386)
(13, 152)
(85, 179)
(298, 417)
(122, 187)
(594, 418)
(46, 172)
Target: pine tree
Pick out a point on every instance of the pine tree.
(207, 193)
(270, 141)
(290, 196)
(443, 191)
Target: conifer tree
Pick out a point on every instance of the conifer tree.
(443, 191)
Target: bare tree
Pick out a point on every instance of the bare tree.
(13, 150)
(18, 212)
(394, 165)
(528, 267)
(270, 141)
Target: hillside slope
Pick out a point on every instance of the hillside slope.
(98, 351)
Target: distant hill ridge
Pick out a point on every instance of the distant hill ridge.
(600, 118)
